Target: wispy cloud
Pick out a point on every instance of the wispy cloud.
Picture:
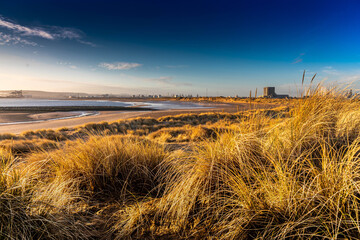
(45, 32)
(350, 79)
(167, 81)
(25, 30)
(329, 70)
(119, 65)
(87, 43)
(7, 39)
(299, 59)
(66, 33)
(68, 64)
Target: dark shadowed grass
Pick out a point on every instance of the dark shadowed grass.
(18, 220)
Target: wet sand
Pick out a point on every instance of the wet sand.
(103, 116)
(6, 117)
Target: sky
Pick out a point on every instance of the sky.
(222, 48)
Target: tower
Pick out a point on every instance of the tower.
(269, 92)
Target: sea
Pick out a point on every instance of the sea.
(30, 102)
(158, 105)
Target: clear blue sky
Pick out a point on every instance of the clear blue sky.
(144, 47)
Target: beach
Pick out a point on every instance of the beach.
(25, 121)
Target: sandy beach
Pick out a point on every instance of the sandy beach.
(102, 116)
(6, 117)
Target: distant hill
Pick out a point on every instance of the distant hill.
(47, 95)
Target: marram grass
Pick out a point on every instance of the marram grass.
(297, 178)
(287, 173)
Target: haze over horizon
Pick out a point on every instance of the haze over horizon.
(160, 47)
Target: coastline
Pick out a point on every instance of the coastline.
(72, 108)
(102, 116)
(26, 118)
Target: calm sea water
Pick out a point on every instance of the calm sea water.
(28, 102)
(163, 105)
(23, 102)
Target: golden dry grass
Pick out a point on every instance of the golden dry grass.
(297, 178)
(286, 173)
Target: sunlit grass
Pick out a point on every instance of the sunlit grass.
(291, 172)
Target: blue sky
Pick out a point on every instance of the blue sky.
(161, 47)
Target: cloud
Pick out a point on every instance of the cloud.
(119, 65)
(330, 71)
(25, 30)
(88, 87)
(87, 43)
(68, 64)
(299, 59)
(348, 79)
(71, 34)
(7, 39)
(167, 81)
(45, 32)
(64, 63)
(66, 33)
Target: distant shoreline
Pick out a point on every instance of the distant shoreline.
(72, 108)
(107, 116)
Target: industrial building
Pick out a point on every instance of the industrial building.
(269, 92)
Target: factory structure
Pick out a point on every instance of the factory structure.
(269, 92)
